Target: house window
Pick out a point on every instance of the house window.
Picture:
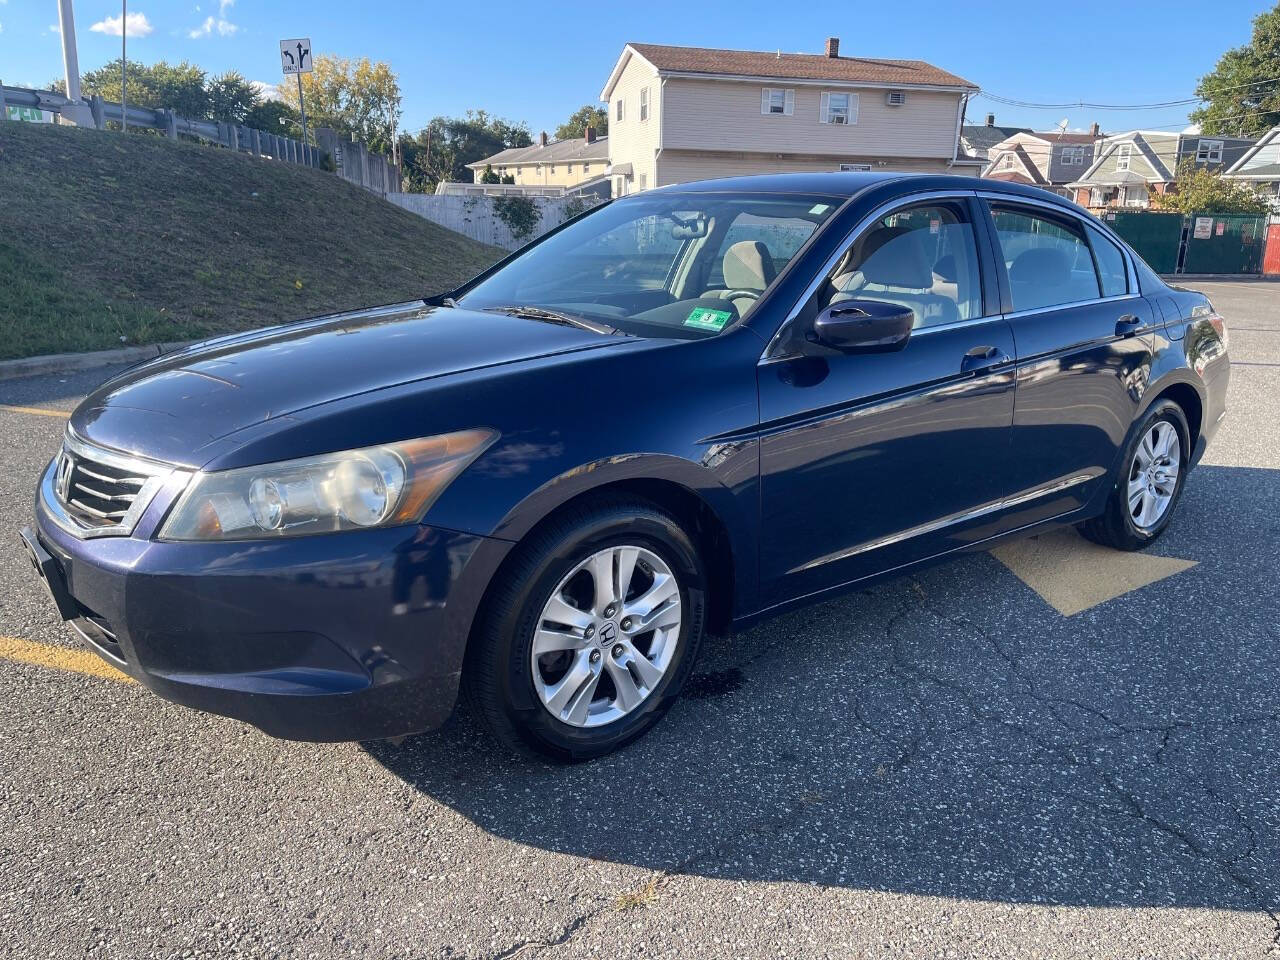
(617, 109)
(775, 101)
(1096, 198)
(1006, 162)
(644, 181)
(839, 108)
(644, 104)
(855, 167)
(1073, 156)
(1209, 151)
(568, 168)
(1122, 157)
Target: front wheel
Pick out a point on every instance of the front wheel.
(1149, 483)
(591, 632)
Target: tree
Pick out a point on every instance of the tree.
(1242, 93)
(162, 85)
(442, 149)
(1204, 191)
(585, 116)
(357, 97)
(232, 98)
(489, 176)
(272, 116)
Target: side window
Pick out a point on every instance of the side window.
(1115, 279)
(923, 257)
(1047, 259)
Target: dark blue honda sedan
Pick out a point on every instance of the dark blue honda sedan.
(678, 413)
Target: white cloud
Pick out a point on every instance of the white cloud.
(55, 29)
(266, 90)
(138, 25)
(219, 24)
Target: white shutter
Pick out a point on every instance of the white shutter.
(822, 107)
(789, 105)
(853, 108)
(764, 99)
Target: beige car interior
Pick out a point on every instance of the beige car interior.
(894, 264)
(749, 266)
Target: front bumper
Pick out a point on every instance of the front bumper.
(347, 636)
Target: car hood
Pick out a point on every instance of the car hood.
(175, 406)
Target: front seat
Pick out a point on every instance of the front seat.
(895, 269)
(748, 265)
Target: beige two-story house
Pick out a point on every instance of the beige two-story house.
(549, 163)
(689, 113)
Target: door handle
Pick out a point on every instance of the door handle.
(983, 358)
(1127, 325)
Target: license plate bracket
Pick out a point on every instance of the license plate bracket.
(49, 571)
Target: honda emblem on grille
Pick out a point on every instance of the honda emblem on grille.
(63, 482)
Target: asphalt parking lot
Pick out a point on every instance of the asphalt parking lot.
(1046, 752)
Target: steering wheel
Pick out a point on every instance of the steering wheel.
(736, 294)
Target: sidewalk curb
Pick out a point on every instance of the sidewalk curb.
(71, 362)
(1225, 277)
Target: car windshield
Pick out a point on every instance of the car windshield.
(668, 264)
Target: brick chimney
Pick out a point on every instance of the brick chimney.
(1095, 131)
(542, 139)
(590, 134)
(833, 47)
(991, 119)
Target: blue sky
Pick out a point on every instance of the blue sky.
(539, 61)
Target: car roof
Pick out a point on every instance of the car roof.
(846, 185)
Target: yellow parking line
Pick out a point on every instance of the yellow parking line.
(60, 658)
(38, 411)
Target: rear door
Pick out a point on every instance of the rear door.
(1084, 340)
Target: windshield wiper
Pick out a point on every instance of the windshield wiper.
(555, 316)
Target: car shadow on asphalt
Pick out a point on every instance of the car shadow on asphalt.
(951, 734)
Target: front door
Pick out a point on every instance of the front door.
(1084, 339)
(869, 461)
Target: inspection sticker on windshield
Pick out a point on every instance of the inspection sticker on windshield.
(705, 319)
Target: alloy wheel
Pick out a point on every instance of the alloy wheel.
(606, 636)
(1153, 475)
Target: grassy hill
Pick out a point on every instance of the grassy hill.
(108, 240)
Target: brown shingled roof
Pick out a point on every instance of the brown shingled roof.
(796, 66)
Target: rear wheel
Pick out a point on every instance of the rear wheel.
(591, 633)
(1149, 483)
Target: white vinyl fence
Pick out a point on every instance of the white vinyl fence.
(477, 217)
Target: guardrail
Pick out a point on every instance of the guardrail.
(233, 136)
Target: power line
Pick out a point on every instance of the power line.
(1030, 105)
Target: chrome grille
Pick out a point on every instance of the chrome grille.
(95, 493)
(98, 492)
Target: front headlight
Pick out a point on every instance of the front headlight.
(351, 490)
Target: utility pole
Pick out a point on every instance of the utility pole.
(302, 107)
(124, 66)
(78, 113)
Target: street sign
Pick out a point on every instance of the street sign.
(295, 56)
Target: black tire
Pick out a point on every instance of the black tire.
(498, 675)
(1116, 527)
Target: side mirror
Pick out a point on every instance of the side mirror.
(864, 326)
